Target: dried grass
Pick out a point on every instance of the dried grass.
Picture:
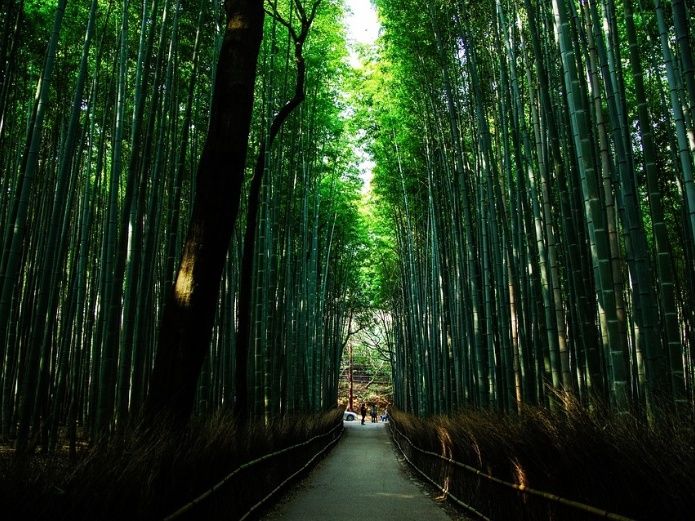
(614, 462)
(140, 475)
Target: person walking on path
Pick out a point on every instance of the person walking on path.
(373, 413)
(363, 412)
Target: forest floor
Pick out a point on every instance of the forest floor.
(362, 478)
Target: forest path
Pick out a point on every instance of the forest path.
(360, 479)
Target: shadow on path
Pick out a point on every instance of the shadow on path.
(361, 477)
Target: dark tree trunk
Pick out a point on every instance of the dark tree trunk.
(190, 308)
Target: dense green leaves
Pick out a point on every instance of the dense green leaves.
(517, 159)
(108, 205)
(529, 231)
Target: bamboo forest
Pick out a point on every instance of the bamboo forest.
(225, 226)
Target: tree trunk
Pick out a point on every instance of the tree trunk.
(188, 314)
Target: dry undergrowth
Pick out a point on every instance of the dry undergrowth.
(138, 477)
(616, 463)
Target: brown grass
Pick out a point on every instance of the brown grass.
(616, 463)
(136, 477)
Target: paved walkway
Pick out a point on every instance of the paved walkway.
(360, 478)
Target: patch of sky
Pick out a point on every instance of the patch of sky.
(362, 25)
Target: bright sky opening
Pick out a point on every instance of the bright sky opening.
(362, 27)
(361, 21)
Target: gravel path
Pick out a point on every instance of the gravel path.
(360, 478)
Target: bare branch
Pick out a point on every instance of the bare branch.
(275, 14)
(314, 9)
(299, 9)
(306, 21)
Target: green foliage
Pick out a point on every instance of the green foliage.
(477, 239)
(480, 182)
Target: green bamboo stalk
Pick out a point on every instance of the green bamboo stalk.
(594, 212)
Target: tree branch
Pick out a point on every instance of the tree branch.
(245, 289)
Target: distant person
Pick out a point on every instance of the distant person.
(385, 416)
(373, 413)
(363, 412)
